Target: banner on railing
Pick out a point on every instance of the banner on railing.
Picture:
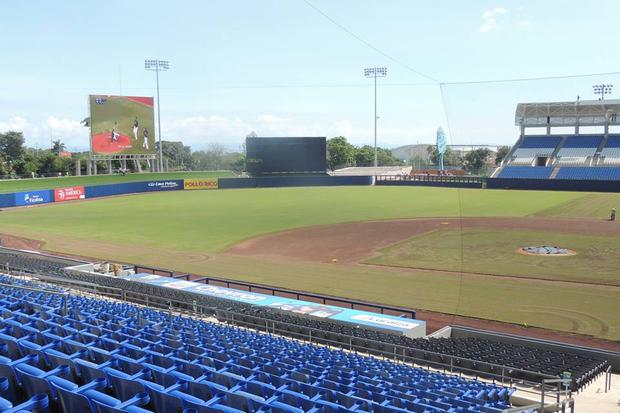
(407, 326)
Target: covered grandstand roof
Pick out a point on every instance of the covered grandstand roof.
(584, 112)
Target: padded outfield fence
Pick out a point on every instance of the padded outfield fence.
(37, 197)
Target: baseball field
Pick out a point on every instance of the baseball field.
(437, 249)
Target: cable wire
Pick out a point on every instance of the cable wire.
(368, 44)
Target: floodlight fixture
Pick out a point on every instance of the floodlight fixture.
(602, 90)
(375, 72)
(156, 65)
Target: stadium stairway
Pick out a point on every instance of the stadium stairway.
(67, 353)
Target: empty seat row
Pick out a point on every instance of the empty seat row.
(512, 356)
(103, 356)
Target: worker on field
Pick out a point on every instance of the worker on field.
(612, 216)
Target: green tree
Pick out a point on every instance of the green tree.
(340, 153)
(47, 162)
(502, 152)
(474, 161)
(64, 165)
(364, 156)
(11, 146)
(177, 154)
(419, 162)
(450, 158)
(386, 158)
(57, 147)
(213, 158)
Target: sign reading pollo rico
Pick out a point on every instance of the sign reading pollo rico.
(69, 194)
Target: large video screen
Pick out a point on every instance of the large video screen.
(122, 125)
(270, 156)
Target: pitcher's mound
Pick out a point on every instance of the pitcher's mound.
(546, 251)
(102, 143)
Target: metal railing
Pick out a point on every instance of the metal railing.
(543, 386)
(432, 178)
(448, 363)
(299, 295)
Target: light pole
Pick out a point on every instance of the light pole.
(602, 90)
(375, 72)
(158, 66)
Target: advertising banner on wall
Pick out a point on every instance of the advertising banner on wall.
(407, 326)
(190, 184)
(69, 194)
(33, 197)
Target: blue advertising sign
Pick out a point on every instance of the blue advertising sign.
(414, 328)
(33, 197)
(97, 191)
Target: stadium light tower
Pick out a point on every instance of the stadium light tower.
(602, 90)
(157, 66)
(375, 72)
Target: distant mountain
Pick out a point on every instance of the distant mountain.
(411, 151)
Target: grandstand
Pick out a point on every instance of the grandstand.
(574, 156)
(83, 354)
(515, 363)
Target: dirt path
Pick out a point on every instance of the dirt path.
(354, 242)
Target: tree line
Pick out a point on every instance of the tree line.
(16, 159)
(341, 154)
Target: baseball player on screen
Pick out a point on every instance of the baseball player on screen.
(135, 129)
(145, 144)
(114, 135)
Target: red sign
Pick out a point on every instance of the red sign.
(69, 194)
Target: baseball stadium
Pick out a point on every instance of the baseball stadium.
(296, 285)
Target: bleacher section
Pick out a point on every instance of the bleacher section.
(534, 146)
(578, 150)
(531, 172)
(521, 357)
(577, 157)
(610, 155)
(101, 356)
(589, 173)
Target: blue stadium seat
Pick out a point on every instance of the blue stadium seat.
(605, 173)
(540, 142)
(526, 172)
(99, 359)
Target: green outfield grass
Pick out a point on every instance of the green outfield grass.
(493, 251)
(210, 221)
(14, 185)
(188, 230)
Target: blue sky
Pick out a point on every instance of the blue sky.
(279, 67)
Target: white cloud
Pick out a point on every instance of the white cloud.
(38, 133)
(489, 19)
(524, 22)
(200, 131)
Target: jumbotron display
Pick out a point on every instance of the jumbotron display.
(122, 125)
(281, 156)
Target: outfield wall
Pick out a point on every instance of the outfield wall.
(74, 193)
(98, 191)
(36, 197)
(554, 184)
(289, 181)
